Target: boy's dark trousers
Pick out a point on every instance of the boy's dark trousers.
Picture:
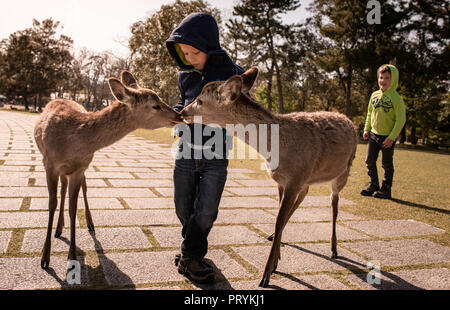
(373, 149)
(198, 186)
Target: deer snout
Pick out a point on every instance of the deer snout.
(186, 115)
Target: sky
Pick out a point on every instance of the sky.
(99, 25)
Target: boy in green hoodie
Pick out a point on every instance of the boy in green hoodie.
(385, 120)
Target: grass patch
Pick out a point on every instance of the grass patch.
(420, 190)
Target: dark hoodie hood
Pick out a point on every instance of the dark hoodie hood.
(199, 30)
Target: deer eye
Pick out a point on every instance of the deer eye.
(199, 102)
(156, 107)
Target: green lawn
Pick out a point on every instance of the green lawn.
(421, 189)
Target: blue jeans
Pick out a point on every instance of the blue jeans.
(198, 186)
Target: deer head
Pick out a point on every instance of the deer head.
(148, 108)
(218, 99)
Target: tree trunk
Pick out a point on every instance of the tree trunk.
(280, 89)
(269, 93)
(348, 101)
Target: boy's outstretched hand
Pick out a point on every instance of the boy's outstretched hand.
(387, 143)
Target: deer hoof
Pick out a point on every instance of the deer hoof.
(334, 255)
(270, 238)
(58, 234)
(45, 263)
(264, 282)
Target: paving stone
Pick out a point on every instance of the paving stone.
(317, 214)
(29, 219)
(258, 183)
(248, 202)
(402, 252)
(102, 239)
(26, 273)
(94, 203)
(20, 192)
(219, 235)
(22, 163)
(4, 241)
(313, 282)
(139, 267)
(124, 169)
(312, 232)
(14, 168)
(141, 182)
(430, 279)
(154, 267)
(21, 174)
(134, 217)
(302, 258)
(10, 204)
(154, 175)
(150, 203)
(110, 192)
(395, 228)
(254, 191)
(90, 183)
(227, 216)
(112, 175)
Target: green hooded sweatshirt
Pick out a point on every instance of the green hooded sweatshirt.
(386, 113)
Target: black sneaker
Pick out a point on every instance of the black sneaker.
(384, 192)
(195, 270)
(370, 190)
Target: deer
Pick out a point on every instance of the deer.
(68, 136)
(314, 147)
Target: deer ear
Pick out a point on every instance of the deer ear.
(248, 78)
(120, 92)
(232, 88)
(128, 79)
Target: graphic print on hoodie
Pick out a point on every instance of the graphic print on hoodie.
(386, 111)
(199, 30)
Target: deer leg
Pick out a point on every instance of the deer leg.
(280, 195)
(60, 225)
(286, 203)
(52, 186)
(89, 221)
(336, 186)
(74, 189)
(297, 202)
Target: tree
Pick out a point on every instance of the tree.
(259, 34)
(150, 59)
(37, 62)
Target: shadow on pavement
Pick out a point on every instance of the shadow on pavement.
(358, 270)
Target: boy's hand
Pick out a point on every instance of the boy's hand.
(366, 135)
(387, 143)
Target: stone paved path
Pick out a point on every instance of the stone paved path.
(137, 232)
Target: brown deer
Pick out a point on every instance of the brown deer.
(68, 136)
(313, 147)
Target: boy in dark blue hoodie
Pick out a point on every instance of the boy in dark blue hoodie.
(198, 182)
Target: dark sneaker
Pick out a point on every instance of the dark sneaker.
(384, 192)
(195, 270)
(370, 190)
